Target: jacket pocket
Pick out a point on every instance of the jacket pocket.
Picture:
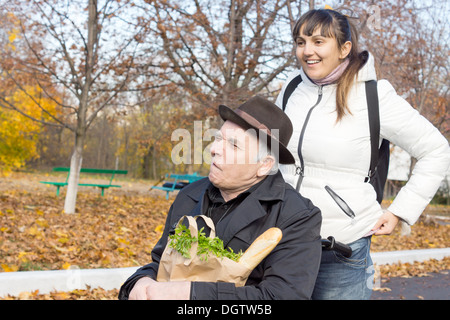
(360, 254)
(341, 203)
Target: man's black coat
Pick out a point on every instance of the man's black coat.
(288, 272)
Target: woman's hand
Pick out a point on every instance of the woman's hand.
(386, 224)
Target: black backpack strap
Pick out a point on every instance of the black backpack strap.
(290, 88)
(374, 123)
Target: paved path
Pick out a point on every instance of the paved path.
(434, 287)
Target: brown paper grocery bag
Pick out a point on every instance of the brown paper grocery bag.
(174, 267)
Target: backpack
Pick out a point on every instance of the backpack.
(379, 160)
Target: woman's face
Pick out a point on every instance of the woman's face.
(319, 55)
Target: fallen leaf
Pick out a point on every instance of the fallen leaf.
(120, 231)
(66, 266)
(9, 268)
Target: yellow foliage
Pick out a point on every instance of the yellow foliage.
(66, 266)
(12, 35)
(19, 134)
(14, 32)
(9, 268)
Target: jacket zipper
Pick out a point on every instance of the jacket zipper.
(341, 203)
(301, 169)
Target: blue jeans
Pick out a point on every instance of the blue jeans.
(343, 278)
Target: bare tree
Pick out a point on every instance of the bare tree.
(411, 44)
(221, 50)
(82, 54)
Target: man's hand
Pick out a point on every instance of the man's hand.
(149, 289)
(139, 291)
(386, 224)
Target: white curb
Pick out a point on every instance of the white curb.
(410, 256)
(13, 283)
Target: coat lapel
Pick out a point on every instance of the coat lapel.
(239, 218)
(197, 210)
(196, 195)
(250, 209)
(247, 212)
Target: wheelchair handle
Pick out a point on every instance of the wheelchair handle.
(331, 244)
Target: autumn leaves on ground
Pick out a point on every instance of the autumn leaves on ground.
(120, 230)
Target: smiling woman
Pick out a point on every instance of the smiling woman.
(327, 49)
(332, 138)
(319, 55)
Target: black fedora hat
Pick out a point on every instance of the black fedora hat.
(265, 117)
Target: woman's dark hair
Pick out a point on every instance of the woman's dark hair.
(333, 24)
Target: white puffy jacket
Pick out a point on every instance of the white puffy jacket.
(337, 155)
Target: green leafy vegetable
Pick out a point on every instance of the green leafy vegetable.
(182, 242)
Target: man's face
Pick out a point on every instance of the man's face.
(234, 165)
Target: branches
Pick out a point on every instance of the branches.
(69, 56)
(223, 55)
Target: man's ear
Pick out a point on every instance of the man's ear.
(266, 165)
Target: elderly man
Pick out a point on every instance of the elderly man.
(245, 195)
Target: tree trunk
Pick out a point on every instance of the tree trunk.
(155, 177)
(80, 135)
(74, 177)
(146, 163)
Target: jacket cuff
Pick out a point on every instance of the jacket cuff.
(213, 291)
(408, 206)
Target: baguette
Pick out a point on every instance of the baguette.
(260, 248)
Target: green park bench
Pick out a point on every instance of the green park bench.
(103, 186)
(173, 182)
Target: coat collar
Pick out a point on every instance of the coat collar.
(366, 73)
(271, 189)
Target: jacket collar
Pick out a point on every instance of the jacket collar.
(366, 73)
(271, 189)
